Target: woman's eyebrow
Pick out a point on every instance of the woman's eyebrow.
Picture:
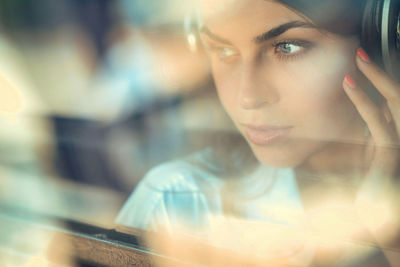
(278, 30)
(274, 32)
(204, 30)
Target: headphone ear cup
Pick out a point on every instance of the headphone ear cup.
(380, 34)
(390, 37)
(371, 41)
(371, 30)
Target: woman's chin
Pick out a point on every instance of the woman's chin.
(279, 160)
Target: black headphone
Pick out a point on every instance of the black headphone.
(380, 34)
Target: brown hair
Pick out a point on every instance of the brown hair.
(337, 16)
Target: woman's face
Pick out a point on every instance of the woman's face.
(280, 79)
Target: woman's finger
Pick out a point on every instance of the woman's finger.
(384, 137)
(394, 109)
(371, 114)
(388, 87)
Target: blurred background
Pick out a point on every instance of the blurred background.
(109, 89)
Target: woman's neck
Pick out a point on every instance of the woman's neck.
(333, 174)
(337, 160)
(345, 161)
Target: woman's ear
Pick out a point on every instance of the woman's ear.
(11, 100)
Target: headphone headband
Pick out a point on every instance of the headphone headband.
(390, 37)
(380, 34)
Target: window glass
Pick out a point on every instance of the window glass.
(234, 131)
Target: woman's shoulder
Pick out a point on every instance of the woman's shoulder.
(163, 186)
(188, 174)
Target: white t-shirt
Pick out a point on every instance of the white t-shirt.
(191, 192)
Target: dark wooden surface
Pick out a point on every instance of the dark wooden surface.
(25, 236)
(68, 242)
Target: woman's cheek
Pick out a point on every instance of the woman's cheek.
(226, 83)
(318, 78)
(321, 97)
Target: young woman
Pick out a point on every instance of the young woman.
(291, 75)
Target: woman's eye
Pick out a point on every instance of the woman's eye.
(289, 48)
(224, 54)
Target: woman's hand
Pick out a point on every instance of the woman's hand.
(234, 242)
(378, 201)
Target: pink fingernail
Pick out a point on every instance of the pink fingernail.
(363, 55)
(350, 82)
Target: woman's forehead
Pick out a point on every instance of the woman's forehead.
(211, 8)
(266, 13)
(336, 16)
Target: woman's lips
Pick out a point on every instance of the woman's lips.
(266, 135)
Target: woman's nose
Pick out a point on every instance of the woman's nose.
(256, 90)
